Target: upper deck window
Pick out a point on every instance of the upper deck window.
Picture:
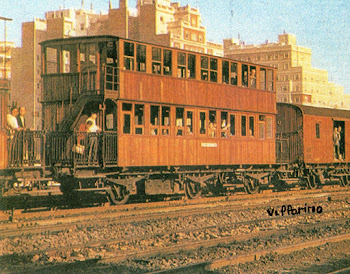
(244, 75)
(234, 74)
(191, 66)
(52, 61)
(111, 52)
(167, 62)
(262, 79)
(181, 65)
(252, 76)
(204, 68)
(213, 70)
(225, 72)
(141, 58)
(156, 60)
(270, 80)
(129, 56)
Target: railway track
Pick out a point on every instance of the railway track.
(142, 233)
(55, 221)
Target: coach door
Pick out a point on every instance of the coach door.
(339, 140)
(110, 138)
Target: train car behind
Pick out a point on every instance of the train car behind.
(312, 135)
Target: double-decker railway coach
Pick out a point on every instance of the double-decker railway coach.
(122, 117)
(171, 121)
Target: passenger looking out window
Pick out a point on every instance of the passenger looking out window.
(251, 126)
(154, 120)
(244, 76)
(252, 77)
(189, 123)
(225, 125)
(179, 122)
(165, 121)
(212, 124)
(156, 60)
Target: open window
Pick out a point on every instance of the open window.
(338, 139)
(165, 121)
(129, 56)
(181, 65)
(154, 118)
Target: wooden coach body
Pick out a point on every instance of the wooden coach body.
(167, 106)
(309, 132)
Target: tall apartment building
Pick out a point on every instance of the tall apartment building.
(297, 81)
(5, 59)
(155, 21)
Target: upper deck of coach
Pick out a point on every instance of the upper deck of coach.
(83, 54)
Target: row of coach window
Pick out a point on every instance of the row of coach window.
(186, 67)
(169, 121)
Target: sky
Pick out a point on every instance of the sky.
(322, 25)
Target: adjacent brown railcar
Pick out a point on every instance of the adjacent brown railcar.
(307, 135)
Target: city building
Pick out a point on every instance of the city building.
(5, 59)
(297, 81)
(154, 21)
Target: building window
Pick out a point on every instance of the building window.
(243, 126)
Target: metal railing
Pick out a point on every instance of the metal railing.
(26, 148)
(82, 149)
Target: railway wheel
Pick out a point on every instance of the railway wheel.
(251, 186)
(118, 195)
(311, 181)
(344, 180)
(192, 189)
